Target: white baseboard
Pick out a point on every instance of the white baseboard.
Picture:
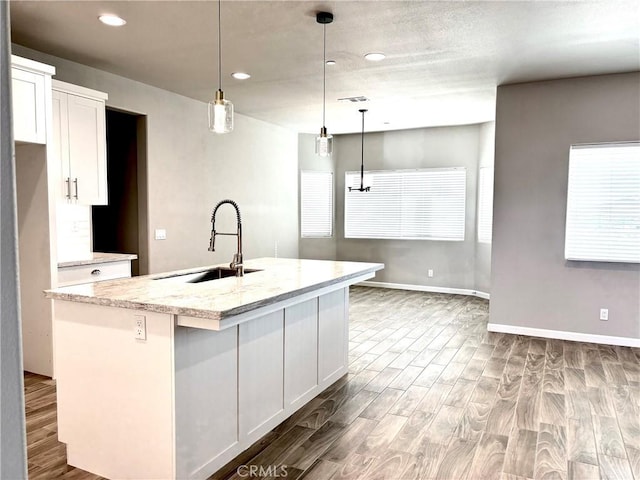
(500, 328)
(563, 335)
(424, 288)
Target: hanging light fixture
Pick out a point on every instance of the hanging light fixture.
(324, 141)
(220, 109)
(362, 182)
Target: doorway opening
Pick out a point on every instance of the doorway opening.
(121, 226)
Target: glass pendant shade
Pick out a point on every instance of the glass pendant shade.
(220, 114)
(324, 143)
(220, 110)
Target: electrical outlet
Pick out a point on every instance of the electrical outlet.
(140, 327)
(429, 273)
(604, 314)
(161, 234)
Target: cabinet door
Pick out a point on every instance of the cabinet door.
(300, 351)
(60, 143)
(333, 335)
(206, 389)
(87, 150)
(28, 106)
(260, 373)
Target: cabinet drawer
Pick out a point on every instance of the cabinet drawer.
(93, 273)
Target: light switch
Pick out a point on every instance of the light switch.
(161, 234)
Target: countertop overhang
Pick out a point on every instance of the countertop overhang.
(278, 280)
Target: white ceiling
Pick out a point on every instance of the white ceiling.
(444, 58)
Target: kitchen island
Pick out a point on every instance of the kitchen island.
(159, 377)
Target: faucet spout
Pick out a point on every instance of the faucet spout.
(236, 263)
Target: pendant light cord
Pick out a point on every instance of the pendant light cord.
(362, 150)
(219, 48)
(324, 71)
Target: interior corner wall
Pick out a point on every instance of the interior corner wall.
(532, 284)
(190, 169)
(483, 250)
(317, 248)
(407, 261)
(13, 444)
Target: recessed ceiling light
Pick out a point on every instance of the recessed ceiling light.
(374, 57)
(112, 20)
(240, 75)
(331, 62)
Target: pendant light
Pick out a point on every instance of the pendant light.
(362, 187)
(220, 109)
(324, 141)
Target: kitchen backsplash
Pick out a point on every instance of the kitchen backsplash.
(74, 232)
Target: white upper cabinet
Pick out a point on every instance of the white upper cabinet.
(29, 83)
(79, 143)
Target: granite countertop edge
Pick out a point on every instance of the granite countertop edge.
(210, 314)
(98, 257)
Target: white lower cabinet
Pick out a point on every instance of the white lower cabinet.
(333, 334)
(300, 352)
(96, 272)
(227, 388)
(206, 386)
(260, 372)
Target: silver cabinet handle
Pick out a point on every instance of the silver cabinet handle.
(96, 272)
(68, 182)
(75, 182)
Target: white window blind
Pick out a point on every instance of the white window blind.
(603, 203)
(485, 204)
(316, 209)
(407, 204)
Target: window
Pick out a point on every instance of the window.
(316, 211)
(426, 204)
(485, 204)
(603, 203)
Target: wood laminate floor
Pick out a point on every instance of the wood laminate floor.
(431, 394)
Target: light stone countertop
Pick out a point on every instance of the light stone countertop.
(278, 280)
(99, 257)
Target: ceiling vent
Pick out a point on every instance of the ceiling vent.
(354, 99)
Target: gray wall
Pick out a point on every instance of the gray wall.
(465, 264)
(407, 261)
(13, 454)
(190, 169)
(316, 248)
(483, 250)
(532, 284)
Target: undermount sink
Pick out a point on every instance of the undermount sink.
(206, 275)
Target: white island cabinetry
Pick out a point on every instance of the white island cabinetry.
(187, 399)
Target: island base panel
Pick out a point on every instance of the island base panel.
(114, 393)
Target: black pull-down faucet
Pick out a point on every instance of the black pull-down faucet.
(236, 263)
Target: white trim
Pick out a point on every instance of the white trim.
(31, 65)
(426, 288)
(563, 335)
(78, 90)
